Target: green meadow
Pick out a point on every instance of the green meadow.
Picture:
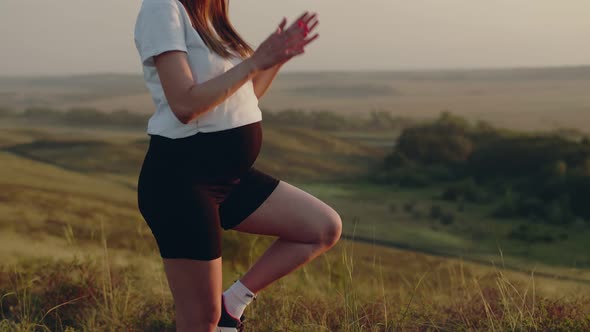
(77, 256)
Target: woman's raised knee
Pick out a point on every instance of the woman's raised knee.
(331, 229)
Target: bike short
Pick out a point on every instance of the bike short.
(191, 188)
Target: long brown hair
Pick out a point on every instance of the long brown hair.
(223, 36)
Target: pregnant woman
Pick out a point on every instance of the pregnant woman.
(197, 177)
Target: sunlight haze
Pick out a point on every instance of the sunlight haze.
(71, 37)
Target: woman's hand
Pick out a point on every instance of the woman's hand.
(281, 45)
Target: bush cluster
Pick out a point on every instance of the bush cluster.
(544, 176)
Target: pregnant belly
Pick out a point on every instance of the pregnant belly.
(226, 154)
(206, 157)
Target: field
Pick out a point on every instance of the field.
(68, 204)
(77, 256)
(519, 98)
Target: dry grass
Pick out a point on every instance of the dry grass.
(76, 256)
(353, 287)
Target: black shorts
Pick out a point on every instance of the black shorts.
(191, 188)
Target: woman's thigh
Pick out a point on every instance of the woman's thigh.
(295, 215)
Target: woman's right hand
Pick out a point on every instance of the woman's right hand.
(281, 45)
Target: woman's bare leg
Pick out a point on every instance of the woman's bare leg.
(305, 226)
(196, 289)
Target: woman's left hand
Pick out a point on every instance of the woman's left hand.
(299, 29)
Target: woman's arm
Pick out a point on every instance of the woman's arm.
(263, 79)
(187, 99)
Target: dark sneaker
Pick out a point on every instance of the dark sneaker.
(229, 323)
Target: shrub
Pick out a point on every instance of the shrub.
(465, 190)
(435, 211)
(447, 218)
(534, 235)
(409, 206)
(413, 179)
(461, 205)
(519, 156)
(396, 160)
(436, 143)
(392, 207)
(558, 212)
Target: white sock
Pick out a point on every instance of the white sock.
(236, 298)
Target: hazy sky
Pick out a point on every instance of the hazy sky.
(81, 36)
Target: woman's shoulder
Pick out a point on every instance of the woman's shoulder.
(161, 10)
(152, 3)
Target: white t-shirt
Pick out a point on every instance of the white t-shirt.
(164, 25)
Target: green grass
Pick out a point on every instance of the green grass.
(287, 152)
(473, 234)
(330, 168)
(76, 256)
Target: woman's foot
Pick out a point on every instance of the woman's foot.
(229, 323)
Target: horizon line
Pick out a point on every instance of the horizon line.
(387, 70)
